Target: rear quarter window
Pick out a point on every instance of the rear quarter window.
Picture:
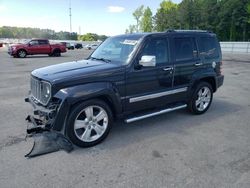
(43, 42)
(209, 47)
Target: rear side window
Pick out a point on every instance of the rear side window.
(208, 47)
(43, 42)
(185, 49)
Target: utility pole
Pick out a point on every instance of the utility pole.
(70, 16)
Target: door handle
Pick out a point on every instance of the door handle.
(198, 64)
(168, 68)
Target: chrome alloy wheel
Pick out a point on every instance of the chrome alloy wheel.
(203, 99)
(21, 53)
(91, 123)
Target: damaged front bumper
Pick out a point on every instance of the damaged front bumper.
(46, 139)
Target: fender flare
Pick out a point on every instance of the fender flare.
(73, 95)
(202, 75)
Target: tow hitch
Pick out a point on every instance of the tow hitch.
(45, 139)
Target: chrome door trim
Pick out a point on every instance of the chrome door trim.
(156, 95)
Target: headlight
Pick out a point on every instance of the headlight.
(45, 92)
(13, 48)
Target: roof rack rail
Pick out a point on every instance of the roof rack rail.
(187, 30)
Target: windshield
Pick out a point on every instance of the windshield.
(116, 49)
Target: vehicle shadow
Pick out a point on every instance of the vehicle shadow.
(178, 122)
(39, 56)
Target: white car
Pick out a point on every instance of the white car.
(91, 46)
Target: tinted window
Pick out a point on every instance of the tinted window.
(208, 47)
(43, 42)
(117, 49)
(157, 47)
(33, 42)
(185, 48)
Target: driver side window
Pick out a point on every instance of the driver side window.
(33, 43)
(157, 47)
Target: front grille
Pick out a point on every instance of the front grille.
(36, 88)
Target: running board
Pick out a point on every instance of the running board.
(155, 113)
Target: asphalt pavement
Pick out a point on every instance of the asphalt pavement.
(177, 149)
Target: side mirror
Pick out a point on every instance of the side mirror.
(147, 61)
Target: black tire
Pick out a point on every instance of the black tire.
(56, 53)
(21, 53)
(198, 103)
(78, 113)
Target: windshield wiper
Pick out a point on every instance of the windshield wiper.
(101, 59)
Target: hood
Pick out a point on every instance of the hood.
(17, 45)
(75, 70)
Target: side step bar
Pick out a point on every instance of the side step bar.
(155, 113)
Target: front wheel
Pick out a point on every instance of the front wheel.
(201, 98)
(89, 123)
(21, 53)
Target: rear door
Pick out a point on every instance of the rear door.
(44, 47)
(186, 61)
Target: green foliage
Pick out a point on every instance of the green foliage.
(131, 29)
(28, 33)
(229, 19)
(91, 37)
(166, 16)
(138, 13)
(146, 22)
(233, 22)
(22, 32)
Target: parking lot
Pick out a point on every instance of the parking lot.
(171, 150)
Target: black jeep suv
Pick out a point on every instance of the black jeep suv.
(127, 77)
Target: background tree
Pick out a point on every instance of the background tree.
(146, 22)
(138, 13)
(166, 16)
(229, 19)
(131, 29)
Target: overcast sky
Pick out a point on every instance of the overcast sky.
(108, 17)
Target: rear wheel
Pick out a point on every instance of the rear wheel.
(201, 98)
(21, 53)
(57, 53)
(89, 123)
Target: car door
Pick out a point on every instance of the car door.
(186, 62)
(44, 46)
(33, 47)
(148, 87)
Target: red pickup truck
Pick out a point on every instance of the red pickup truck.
(36, 46)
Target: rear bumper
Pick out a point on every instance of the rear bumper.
(219, 80)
